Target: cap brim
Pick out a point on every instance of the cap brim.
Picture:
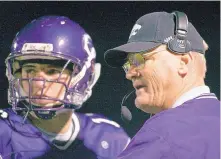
(116, 57)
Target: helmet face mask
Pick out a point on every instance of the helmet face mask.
(62, 40)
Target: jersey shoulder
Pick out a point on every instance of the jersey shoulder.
(5, 121)
(103, 136)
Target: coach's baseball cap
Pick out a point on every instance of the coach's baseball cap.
(150, 31)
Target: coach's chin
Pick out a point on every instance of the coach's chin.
(146, 102)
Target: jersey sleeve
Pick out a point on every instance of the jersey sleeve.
(5, 135)
(18, 139)
(104, 137)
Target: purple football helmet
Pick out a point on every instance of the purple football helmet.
(53, 38)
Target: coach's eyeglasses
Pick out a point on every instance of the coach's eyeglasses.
(138, 60)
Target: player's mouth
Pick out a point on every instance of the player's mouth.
(42, 101)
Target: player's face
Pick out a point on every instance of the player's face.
(40, 88)
(155, 81)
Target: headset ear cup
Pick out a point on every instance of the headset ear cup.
(175, 46)
(170, 45)
(178, 46)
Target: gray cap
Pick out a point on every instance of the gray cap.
(150, 31)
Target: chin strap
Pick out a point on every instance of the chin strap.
(46, 115)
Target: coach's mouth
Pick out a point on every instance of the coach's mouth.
(138, 86)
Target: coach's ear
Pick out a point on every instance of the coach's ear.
(184, 64)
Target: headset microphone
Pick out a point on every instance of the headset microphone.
(125, 112)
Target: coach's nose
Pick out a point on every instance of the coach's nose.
(132, 73)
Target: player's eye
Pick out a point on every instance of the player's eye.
(30, 70)
(53, 71)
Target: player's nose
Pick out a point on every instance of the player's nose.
(40, 80)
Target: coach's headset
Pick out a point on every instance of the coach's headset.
(178, 44)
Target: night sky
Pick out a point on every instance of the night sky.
(109, 24)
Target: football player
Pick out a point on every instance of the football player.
(51, 72)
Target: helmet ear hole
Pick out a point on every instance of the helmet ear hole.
(92, 66)
(91, 78)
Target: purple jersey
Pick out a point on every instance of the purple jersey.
(189, 131)
(97, 137)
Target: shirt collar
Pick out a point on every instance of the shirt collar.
(193, 93)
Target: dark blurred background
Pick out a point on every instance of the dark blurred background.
(109, 24)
